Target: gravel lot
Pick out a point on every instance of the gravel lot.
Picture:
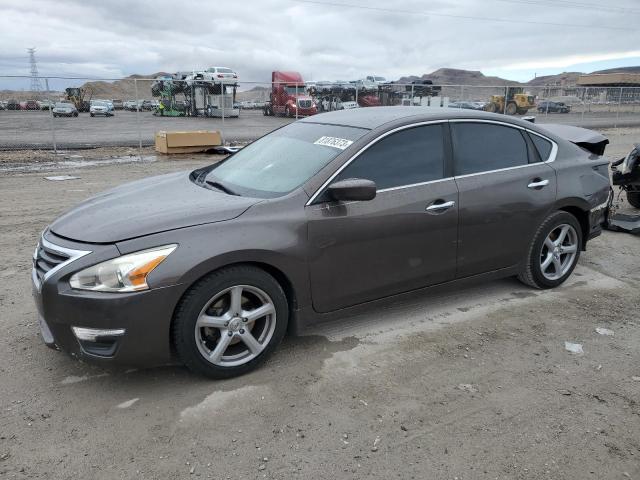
(27, 129)
(467, 382)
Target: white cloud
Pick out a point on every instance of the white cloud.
(115, 38)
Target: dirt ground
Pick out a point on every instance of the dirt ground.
(470, 382)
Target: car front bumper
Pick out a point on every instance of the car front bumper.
(138, 323)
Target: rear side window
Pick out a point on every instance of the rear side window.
(542, 145)
(414, 155)
(481, 147)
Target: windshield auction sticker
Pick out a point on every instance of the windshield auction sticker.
(334, 142)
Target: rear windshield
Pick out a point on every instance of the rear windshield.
(280, 162)
(223, 70)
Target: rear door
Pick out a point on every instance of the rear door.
(405, 238)
(506, 191)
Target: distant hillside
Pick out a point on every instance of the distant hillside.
(620, 70)
(564, 78)
(124, 89)
(454, 76)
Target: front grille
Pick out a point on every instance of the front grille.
(304, 103)
(46, 259)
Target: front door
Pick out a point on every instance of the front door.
(403, 239)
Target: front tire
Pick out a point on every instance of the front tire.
(230, 322)
(634, 199)
(554, 252)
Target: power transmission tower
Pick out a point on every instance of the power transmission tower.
(35, 77)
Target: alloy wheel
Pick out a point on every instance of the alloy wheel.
(235, 326)
(559, 252)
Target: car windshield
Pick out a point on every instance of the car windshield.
(63, 105)
(280, 162)
(100, 104)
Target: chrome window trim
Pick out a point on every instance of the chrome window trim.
(366, 147)
(554, 146)
(552, 155)
(73, 256)
(551, 159)
(391, 189)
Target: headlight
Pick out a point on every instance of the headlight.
(123, 274)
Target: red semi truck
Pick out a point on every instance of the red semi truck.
(289, 96)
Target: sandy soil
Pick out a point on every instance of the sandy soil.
(466, 383)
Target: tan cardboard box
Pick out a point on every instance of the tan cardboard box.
(187, 142)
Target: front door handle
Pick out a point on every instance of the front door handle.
(440, 206)
(538, 183)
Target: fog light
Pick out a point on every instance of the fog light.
(93, 334)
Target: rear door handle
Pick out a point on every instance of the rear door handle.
(440, 206)
(538, 183)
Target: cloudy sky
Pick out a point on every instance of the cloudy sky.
(325, 40)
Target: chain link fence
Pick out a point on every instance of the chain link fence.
(73, 113)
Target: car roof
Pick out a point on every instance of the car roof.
(375, 117)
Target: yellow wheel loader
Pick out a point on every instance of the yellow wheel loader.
(518, 102)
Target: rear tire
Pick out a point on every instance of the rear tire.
(634, 199)
(553, 255)
(512, 108)
(232, 343)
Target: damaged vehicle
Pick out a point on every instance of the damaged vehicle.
(213, 267)
(626, 176)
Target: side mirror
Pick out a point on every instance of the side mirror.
(352, 189)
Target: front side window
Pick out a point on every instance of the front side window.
(410, 156)
(482, 147)
(280, 162)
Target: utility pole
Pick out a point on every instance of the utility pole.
(35, 77)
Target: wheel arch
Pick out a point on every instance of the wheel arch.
(582, 215)
(276, 272)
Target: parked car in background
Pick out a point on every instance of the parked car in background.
(223, 75)
(100, 108)
(146, 105)
(13, 105)
(65, 109)
(130, 105)
(376, 79)
(31, 105)
(108, 103)
(117, 104)
(467, 105)
(3, 105)
(318, 216)
(553, 107)
(45, 104)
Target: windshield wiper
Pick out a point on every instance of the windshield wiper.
(221, 187)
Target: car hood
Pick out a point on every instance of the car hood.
(148, 206)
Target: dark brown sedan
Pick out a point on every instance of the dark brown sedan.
(214, 266)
